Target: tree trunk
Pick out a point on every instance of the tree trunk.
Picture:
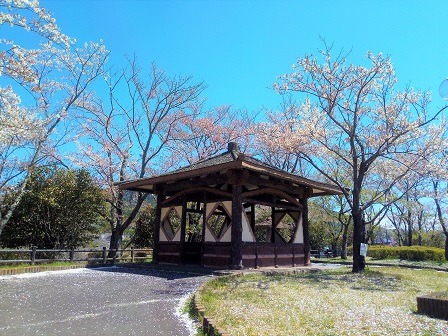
(420, 228)
(359, 262)
(344, 242)
(115, 243)
(446, 247)
(441, 219)
(409, 221)
(119, 226)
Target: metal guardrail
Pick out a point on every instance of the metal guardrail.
(70, 255)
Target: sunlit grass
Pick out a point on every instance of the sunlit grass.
(67, 263)
(381, 301)
(58, 263)
(349, 259)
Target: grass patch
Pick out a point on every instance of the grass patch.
(386, 262)
(69, 263)
(58, 263)
(380, 301)
(439, 295)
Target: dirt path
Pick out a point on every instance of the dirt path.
(106, 301)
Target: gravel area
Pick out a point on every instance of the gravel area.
(105, 301)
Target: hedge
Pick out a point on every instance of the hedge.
(413, 253)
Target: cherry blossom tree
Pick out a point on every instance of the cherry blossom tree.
(353, 120)
(439, 189)
(270, 148)
(205, 133)
(437, 177)
(408, 213)
(41, 80)
(127, 134)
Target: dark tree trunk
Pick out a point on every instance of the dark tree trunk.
(118, 226)
(441, 220)
(409, 221)
(446, 247)
(115, 243)
(359, 262)
(420, 228)
(344, 241)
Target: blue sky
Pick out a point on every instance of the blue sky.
(239, 47)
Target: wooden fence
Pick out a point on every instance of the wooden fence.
(36, 256)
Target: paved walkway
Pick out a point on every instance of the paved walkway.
(104, 301)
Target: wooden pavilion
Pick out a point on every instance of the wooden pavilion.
(206, 213)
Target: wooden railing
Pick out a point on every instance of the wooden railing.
(72, 255)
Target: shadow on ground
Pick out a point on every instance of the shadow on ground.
(168, 272)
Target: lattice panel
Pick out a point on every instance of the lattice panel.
(218, 221)
(171, 223)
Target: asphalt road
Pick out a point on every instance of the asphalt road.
(104, 301)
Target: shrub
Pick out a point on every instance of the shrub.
(144, 227)
(350, 250)
(15, 256)
(95, 255)
(413, 253)
(141, 255)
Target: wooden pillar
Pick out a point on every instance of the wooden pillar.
(252, 218)
(273, 220)
(157, 220)
(183, 228)
(204, 223)
(306, 230)
(237, 227)
(272, 238)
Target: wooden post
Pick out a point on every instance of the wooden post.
(33, 255)
(273, 225)
(293, 255)
(183, 228)
(157, 220)
(115, 257)
(237, 227)
(132, 255)
(275, 256)
(306, 231)
(204, 223)
(104, 254)
(72, 254)
(252, 218)
(256, 255)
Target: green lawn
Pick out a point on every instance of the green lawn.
(442, 265)
(59, 263)
(381, 301)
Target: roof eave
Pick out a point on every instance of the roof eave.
(327, 189)
(239, 163)
(171, 177)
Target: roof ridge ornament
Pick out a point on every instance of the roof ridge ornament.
(233, 147)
